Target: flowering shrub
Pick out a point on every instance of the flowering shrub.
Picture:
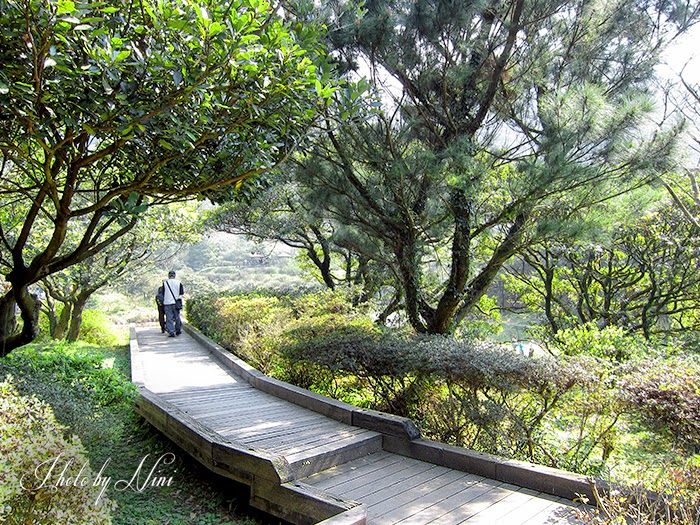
(30, 442)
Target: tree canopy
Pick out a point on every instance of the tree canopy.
(108, 107)
(497, 122)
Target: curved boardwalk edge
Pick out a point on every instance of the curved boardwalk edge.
(402, 436)
(273, 488)
(282, 484)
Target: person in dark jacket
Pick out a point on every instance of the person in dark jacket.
(161, 309)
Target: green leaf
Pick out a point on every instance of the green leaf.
(122, 55)
(65, 6)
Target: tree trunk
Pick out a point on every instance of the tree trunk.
(480, 284)
(444, 319)
(549, 297)
(408, 267)
(63, 320)
(29, 306)
(8, 319)
(76, 319)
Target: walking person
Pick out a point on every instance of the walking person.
(172, 304)
(161, 309)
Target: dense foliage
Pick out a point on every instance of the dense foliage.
(107, 108)
(478, 130)
(562, 411)
(31, 441)
(77, 401)
(569, 411)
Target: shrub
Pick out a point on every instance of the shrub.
(386, 368)
(30, 441)
(674, 500)
(666, 394)
(49, 370)
(501, 402)
(242, 322)
(98, 329)
(612, 343)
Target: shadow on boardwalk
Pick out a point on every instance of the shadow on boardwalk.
(310, 459)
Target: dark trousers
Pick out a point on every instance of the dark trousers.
(173, 324)
(161, 317)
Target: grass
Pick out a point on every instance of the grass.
(89, 390)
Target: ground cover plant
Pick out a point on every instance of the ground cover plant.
(77, 399)
(591, 410)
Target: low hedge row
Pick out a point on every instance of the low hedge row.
(563, 412)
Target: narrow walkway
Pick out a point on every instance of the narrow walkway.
(191, 393)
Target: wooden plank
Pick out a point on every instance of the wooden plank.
(305, 465)
(385, 423)
(354, 516)
(539, 504)
(351, 469)
(398, 483)
(321, 446)
(463, 505)
(255, 429)
(228, 391)
(372, 474)
(564, 512)
(431, 507)
(254, 409)
(309, 434)
(277, 414)
(402, 505)
(510, 506)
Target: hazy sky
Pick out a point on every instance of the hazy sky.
(684, 56)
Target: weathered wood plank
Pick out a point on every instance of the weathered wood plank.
(439, 504)
(403, 503)
(236, 410)
(538, 505)
(366, 479)
(464, 505)
(510, 506)
(318, 447)
(562, 513)
(404, 480)
(228, 424)
(254, 430)
(346, 471)
(316, 434)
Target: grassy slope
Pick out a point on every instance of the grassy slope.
(89, 390)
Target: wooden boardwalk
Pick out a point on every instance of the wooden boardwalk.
(309, 459)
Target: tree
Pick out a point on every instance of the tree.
(284, 211)
(499, 120)
(157, 236)
(639, 273)
(278, 211)
(107, 108)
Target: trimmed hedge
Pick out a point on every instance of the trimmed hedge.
(472, 393)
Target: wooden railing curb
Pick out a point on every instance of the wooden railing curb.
(274, 488)
(402, 436)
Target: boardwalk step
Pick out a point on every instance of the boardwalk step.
(336, 451)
